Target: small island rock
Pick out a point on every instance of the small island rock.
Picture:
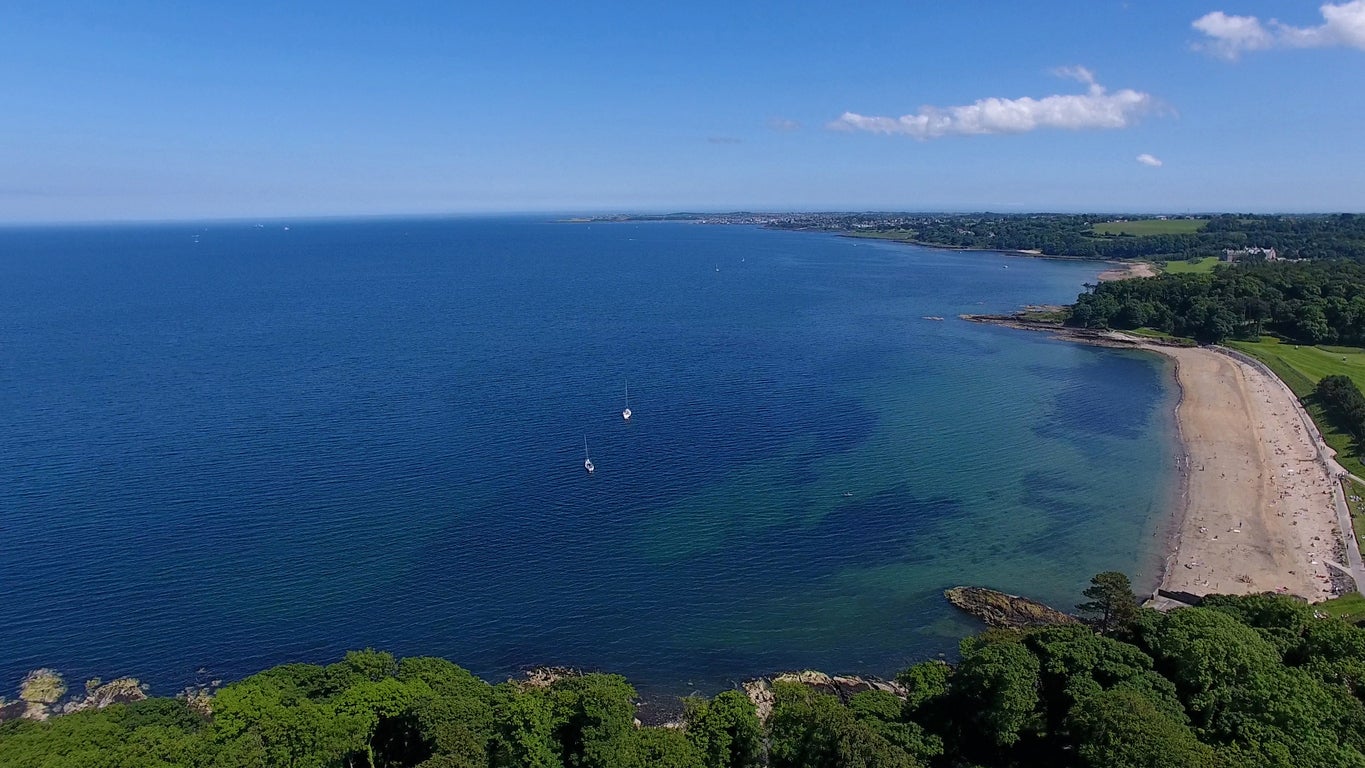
(999, 609)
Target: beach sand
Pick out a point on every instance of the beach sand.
(1124, 270)
(1259, 513)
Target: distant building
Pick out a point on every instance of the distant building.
(1234, 255)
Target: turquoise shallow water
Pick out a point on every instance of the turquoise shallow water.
(229, 446)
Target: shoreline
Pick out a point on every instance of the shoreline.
(1254, 508)
(1124, 270)
(1261, 524)
(1181, 504)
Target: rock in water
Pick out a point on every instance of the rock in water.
(40, 690)
(998, 609)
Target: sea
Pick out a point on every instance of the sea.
(230, 445)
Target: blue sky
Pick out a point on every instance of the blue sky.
(142, 110)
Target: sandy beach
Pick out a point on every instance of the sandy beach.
(1259, 513)
(1123, 270)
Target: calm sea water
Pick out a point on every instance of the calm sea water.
(228, 446)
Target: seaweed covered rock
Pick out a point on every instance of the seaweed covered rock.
(998, 609)
(41, 689)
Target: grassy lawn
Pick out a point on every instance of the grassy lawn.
(1045, 315)
(1152, 333)
(1149, 227)
(1301, 367)
(1306, 365)
(1355, 501)
(1350, 606)
(1205, 264)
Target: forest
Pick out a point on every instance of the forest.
(1324, 236)
(1313, 302)
(1239, 681)
(1293, 237)
(1082, 236)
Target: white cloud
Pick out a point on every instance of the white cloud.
(1233, 34)
(1097, 108)
(1076, 73)
(783, 125)
(1230, 36)
(1151, 160)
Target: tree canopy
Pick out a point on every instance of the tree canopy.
(1241, 681)
(1309, 302)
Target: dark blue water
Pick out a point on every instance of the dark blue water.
(226, 446)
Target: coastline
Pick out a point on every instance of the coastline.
(1255, 507)
(1257, 512)
(1180, 504)
(1033, 253)
(1124, 270)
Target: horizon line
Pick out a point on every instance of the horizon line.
(685, 211)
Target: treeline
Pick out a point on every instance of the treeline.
(1344, 403)
(1309, 302)
(1242, 681)
(1336, 236)
(1340, 236)
(1058, 235)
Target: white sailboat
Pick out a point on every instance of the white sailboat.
(587, 462)
(626, 413)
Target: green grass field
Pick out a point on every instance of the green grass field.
(1305, 365)
(1350, 606)
(1301, 367)
(1149, 227)
(1205, 264)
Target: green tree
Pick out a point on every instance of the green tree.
(384, 708)
(814, 730)
(883, 713)
(594, 717)
(924, 683)
(1311, 324)
(287, 728)
(524, 723)
(661, 748)
(1334, 652)
(1111, 601)
(725, 730)
(1123, 729)
(457, 720)
(1076, 663)
(997, 685)
(1240, 696)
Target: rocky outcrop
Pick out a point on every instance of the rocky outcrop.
(544, 677)
(124, 690)
(998, 609)
(760, 691)
(199, 698)
(12, 710)
(40, 690)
